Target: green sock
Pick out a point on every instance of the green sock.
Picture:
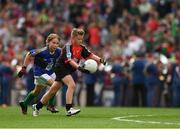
(29, 98)
(52, 101)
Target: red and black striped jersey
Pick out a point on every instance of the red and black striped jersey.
(73, 52)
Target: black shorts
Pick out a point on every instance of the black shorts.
(61, 71)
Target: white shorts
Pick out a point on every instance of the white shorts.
(43, 79)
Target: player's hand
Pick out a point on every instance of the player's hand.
(80, 68)
(22, 71)
(103, 61)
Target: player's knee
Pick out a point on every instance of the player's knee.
(71, 86)
(53, 91)
(35, 92)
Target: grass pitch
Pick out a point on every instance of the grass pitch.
(96, 117)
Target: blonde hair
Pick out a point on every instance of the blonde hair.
(76, 31)
(51, 37)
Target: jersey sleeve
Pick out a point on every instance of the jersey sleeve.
(85, 53)
(34, 52)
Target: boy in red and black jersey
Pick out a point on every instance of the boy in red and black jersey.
(72, 53)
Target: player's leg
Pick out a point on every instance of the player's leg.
(68, 80)
(29, 98)
(39, 82)
(50, 93)
(51, 102)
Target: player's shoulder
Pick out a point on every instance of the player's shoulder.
(67, 46)
(59, 49)
(83, 46)
(41, 50)
(37, 51)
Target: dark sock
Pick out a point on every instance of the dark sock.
(68, 106)
(39, 105)
(51, 101)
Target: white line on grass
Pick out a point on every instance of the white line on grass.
(126, 119)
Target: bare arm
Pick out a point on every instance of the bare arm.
(25, 64)
(27, 60)
(96, 58)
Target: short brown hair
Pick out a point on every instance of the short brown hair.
(52, 36)
(76, 31)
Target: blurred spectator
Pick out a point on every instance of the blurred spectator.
(6, 83)
(29, 78)
(117, 75)
(90, 80)
(152, 82)
(138, 81)
(94, 35)
(176, 83)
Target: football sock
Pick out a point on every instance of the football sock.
(52, 101)
(39, 105)
(28, 98)
(68, 106)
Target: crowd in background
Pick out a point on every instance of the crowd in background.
(139, 38)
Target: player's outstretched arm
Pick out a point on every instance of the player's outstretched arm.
(27, 59)
(25, 64)
(98, 59)
(76, 66)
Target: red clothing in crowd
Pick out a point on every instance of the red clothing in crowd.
(94, 36)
